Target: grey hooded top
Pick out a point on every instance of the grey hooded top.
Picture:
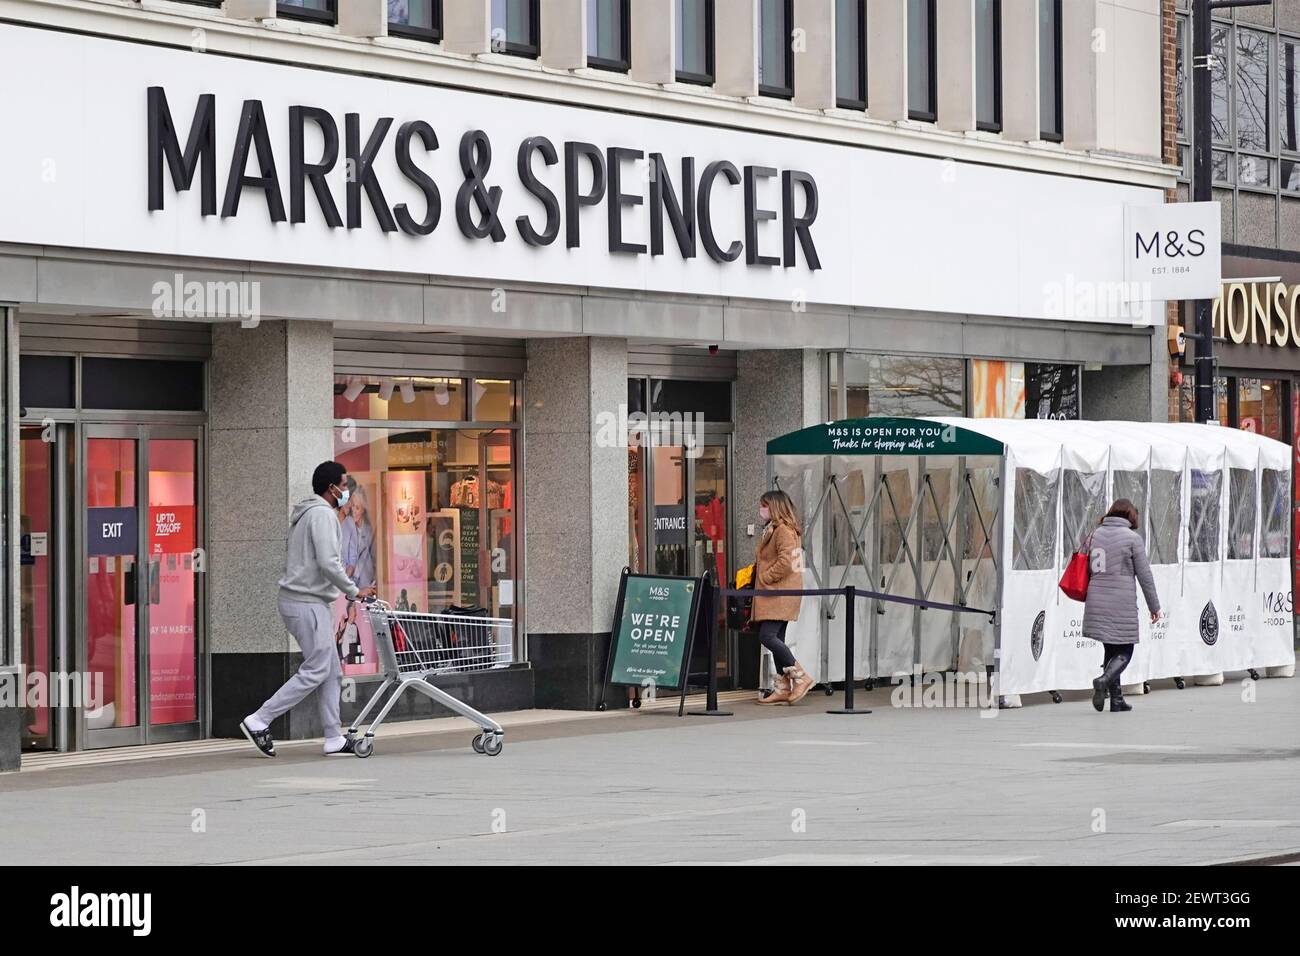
(314, 570)
(1118, 562)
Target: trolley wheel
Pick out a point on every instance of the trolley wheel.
(869, 684)
(1179, 683)
(492, 744)
(601, 705)
(830, 691)
(477, 743)
(364, 746)
(1254, 674)
(1056, 696)
(636, 703)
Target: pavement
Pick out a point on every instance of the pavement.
(1202, 775)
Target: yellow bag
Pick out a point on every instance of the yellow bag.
(744, 577)
(740, 608)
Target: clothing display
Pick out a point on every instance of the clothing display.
(467, 493)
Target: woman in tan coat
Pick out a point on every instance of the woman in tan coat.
(779, 566)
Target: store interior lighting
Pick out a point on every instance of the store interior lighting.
(440, 394)
(354, 389)
(386, 386)
(408, 391)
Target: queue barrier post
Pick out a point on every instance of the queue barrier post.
(711, 696)
(850, 602)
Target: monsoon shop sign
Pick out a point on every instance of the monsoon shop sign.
(1258, 313)
(884, 436)
(653, 625)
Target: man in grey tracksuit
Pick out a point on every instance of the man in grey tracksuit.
(313, 580)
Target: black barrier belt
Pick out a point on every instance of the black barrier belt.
(857, 592)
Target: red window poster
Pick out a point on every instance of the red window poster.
(171, 529)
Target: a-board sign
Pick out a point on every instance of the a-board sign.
(654, 624)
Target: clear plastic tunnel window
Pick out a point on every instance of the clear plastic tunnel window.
(896, 502)
(1133, 486)
(1034, 529)
(1274, 513)
(1203, 519)
(1241, 513)
(1166, 519)
(1083, 502)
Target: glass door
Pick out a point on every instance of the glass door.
(141, 559)
(41, 487)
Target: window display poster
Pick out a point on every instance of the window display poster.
(997, 389)
(469, 546)
(1052, 391)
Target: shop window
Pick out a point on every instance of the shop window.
(709, 401)
(988, 65)
(1166, 515)
(921, 104)
(1133, 486)
(695, 41)
(1241, 513)
(896, 501)
(1049, 69)
(1052, 391)
(492, 400)
(1083, 502)
(515, 27)
(142, 385)
(1219, 109)
(1260, 406)
(47, 381)
(905, 386)
(1252, 81)
(419, 19)
(1203, 518)
(997, 389)
(319, 10)
(1274, 514)
(430, 522)
(636, 396)
(608, 34)
(1033, 542)
(851, 54)
(775, 62)
(400, 398)
(1289, 95)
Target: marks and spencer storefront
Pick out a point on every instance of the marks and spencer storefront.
(199, 306)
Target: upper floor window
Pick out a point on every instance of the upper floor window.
(515, 27)
(695, 41)
(320, 10)
(775, 63)
(1049, 70)
(850, 54)
(988, 65)
(421, 19)
(607, 34)
(921, 103)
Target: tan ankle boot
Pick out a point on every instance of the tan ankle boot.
(780, 691)
(800, 682)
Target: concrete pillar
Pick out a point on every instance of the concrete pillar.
(564, 34)
(1020, 112)
(814, 54)
(736, 61)
(955, 69)
(1132, 393)
(270, 423)
(250, 9)
(363, 18)
(575, 513)
(467, 26)
(777, 391)
(887, 59)
(1079, 75)
(654, 41)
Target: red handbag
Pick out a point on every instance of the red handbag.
(1074, 582)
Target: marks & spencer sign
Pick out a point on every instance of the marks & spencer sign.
(152, 150)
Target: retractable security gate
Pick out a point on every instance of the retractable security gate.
(886, 516)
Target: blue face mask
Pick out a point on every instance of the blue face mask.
(344, 495)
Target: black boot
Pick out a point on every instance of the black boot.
(1117, 702)
(1102, 685)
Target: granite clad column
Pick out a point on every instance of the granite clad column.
(576, 527)
(270, 423)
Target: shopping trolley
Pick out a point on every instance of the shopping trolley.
(415, 646)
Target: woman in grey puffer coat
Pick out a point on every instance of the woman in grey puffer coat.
(1117, 561)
